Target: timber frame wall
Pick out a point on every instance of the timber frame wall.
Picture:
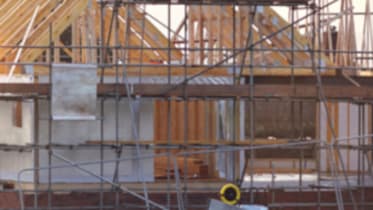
(263, 56)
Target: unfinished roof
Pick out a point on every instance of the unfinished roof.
(242, 2)
(28, 24)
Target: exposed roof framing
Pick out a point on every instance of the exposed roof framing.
(59, 15)
(207, 2)
(211, 23)
(217, 25)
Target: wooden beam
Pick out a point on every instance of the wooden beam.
(203, 91)
(17, 114)
(163, 70)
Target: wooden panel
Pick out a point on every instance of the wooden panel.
(191, 118)
(17, 114)
(174, 121)
(180, 121)
(197, 130)
(197, 126)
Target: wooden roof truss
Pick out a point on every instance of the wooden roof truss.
(209, 27)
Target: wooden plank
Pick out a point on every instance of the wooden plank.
(221, 91)
(75, 41)
(181, 122)
(17, 114)
(200, 25)
(191, 118)
(162, 122)
(174, 121)
(83, 38)
(163, 70)
(268, 91)
(191, 34)
(211, 37)
(201, 120)
(91, 34)
(220, 32)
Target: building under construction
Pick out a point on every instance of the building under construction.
(155, 104)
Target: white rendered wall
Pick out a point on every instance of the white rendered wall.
(12, 162)
(74, 133)
(225, 161)
(347, 116)
(79, 132)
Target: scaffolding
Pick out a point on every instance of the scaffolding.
(157, 104)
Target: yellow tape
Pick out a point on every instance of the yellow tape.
(230, 194)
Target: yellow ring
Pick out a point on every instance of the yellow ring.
(223, 192)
